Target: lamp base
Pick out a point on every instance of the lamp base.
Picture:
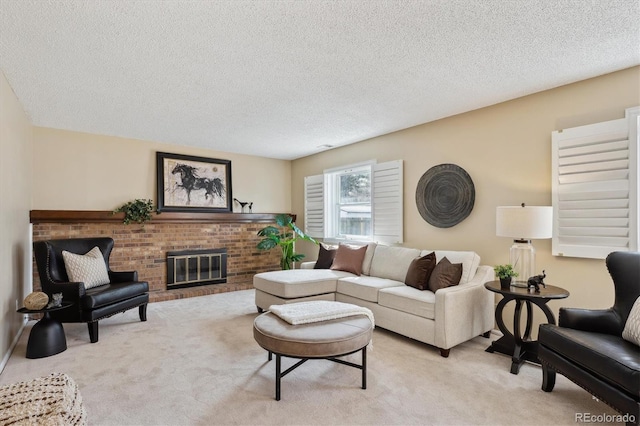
(522, 256)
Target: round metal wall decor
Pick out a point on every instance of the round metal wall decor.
(445, 195)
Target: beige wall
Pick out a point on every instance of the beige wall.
(15, 203)
(506, 149)
(80, 171)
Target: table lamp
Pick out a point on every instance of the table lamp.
(524, 223)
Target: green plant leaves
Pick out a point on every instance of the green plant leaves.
(268, 231)
(267, 244)
(284, 238)
(138, 210)
(505, 271)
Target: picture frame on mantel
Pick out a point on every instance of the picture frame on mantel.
(187, 183)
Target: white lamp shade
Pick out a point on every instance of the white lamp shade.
(525, 223)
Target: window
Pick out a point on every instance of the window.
(595, 188)
(358, 202)
(351, 202)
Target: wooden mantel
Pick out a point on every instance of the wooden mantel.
(92, 216)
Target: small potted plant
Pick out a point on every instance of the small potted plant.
(137, 210)
(505, 273)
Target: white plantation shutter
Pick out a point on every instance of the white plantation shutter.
(314, 206)
(595, 188)
(387, 184)
(321, 192)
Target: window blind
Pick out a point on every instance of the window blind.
(595, 188)
(314, 206)
(387, 202)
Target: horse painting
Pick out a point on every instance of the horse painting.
(191, 181)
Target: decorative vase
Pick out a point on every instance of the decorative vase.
(36, 301)
(505, 283)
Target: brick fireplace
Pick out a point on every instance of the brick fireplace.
(145, 249)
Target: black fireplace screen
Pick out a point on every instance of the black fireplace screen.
(196, 267)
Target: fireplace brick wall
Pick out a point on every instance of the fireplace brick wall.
(145, 250)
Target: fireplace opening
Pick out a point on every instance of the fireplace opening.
(196, 267)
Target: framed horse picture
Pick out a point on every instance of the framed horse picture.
(193, 184)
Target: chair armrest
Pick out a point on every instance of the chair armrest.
(71, 291)
(122, 277)
(596, 320)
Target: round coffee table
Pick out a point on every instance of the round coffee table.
(316, 340)
(47, 335)
(520, 347)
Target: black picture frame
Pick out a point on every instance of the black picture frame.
(186, 183)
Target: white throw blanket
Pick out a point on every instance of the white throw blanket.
(318, 310)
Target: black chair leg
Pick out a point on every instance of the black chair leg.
(93, 331)
(142, 310)
(548, 378)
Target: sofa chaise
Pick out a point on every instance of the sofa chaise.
(444, 318)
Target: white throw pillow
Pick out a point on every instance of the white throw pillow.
(631, 330)
(89, 268)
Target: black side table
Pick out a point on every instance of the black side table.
(47, 335)
(520, 347)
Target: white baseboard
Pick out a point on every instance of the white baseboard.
(6, 357)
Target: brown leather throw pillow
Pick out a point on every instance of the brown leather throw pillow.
(325, 257)
(420, 271)
(349, 259)
(445, 274)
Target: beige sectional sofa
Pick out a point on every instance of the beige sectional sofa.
(443, 319)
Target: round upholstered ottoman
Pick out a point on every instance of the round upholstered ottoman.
(316, 340)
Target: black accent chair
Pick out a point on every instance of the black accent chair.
(124, 291)
(587, 345)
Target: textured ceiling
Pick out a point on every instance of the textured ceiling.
(283, 79)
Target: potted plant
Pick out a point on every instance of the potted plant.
(136, 211)
(504, 274)
(285, 238)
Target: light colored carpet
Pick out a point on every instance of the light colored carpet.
(194, 362)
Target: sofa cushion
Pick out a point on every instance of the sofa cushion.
(108, 294)
(469, 259)
(349, 259)
(610, 357)
(392, 262)
(410, 300)
(420, 270)
(445, 274)
(368, 257)
(365, 288)
(326, 254)
(298, 282)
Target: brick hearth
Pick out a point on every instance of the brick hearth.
(145, 249)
